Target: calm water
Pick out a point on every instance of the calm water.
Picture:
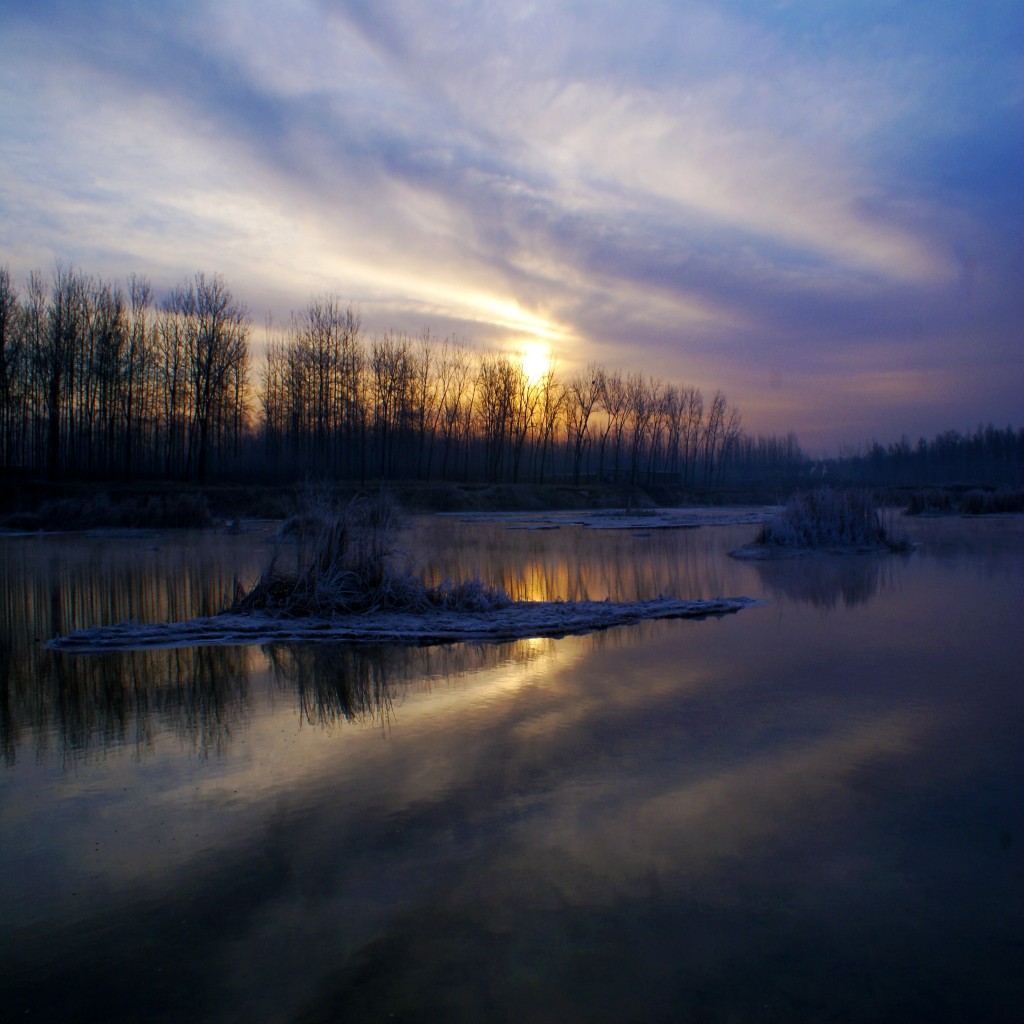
(809, 811)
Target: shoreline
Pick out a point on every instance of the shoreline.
(518, 621)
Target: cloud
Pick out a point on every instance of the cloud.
(716, 190)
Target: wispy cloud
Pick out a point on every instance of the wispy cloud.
(725, 193)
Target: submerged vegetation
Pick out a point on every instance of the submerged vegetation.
(345, 562)
(827, 519)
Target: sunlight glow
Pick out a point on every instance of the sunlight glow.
(509, 314)
(535, 358)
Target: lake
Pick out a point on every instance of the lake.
(812, 810)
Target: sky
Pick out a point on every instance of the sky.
(816, 206)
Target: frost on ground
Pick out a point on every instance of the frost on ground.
(516, 621)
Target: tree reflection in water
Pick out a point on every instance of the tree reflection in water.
(339, 683)
(574, 563)
(48, 585)
(335, 683)
(80, 705)
(203, 695)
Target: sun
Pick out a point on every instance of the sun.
(535, 358)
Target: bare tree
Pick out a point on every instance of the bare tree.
(216, 343)
(456, 402)
(94, 378)
(138, 365)
(551, 408)
(713, 427)
(525, 400)
(657, 425)
(65, 315)
(11, 372)
(640, 406)
(496, 386)
(582, 393)
(691, 411)
(391, 370)
(613, 405)
(732, 431)
(172, 361)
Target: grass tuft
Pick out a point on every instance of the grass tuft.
(831, 519)
(345, 563)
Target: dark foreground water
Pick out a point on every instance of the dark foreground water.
(809, 811)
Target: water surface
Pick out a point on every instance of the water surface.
(811, 810)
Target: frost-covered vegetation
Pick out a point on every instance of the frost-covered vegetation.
(336, 576)
(343, 581)
(345, 562)
(828, 519)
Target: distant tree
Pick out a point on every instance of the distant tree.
(713, 428)
(65, 318)
(11, 370)
(691, 412)
(391, 374)
(497, 395)
(526, 398)
(216, 333)
(456, 403)
(640, 404)
(615, 404)
(103, 378)
(732, 432)
(137, 412)
(551, 408)
(581, 397)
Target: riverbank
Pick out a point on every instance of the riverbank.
(46, 505)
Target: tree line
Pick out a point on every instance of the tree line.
(100, 380)
(394, 406)
(988, 455)
(97, 380)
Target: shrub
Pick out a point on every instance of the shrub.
(345, 563)
(827, 518)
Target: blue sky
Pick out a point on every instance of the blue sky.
(816, 206)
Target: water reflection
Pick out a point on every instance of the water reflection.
(73, 706)
(203, 696)
(335, 683)
(762, 817)
(50, 585)
(576, 564)
(827, 581)
(338, 683)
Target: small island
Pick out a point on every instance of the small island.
(826, 520)
(346, 584)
